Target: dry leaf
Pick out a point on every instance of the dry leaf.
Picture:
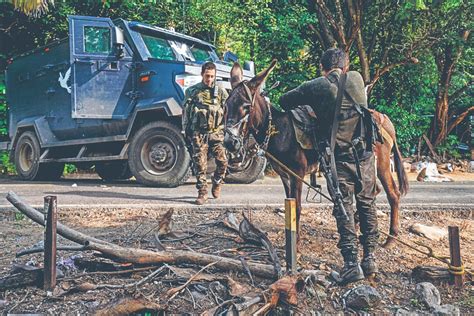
(236, 288)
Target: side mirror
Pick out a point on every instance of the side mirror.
(118, 42)
(250, 66)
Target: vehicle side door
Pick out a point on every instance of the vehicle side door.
(102, 85)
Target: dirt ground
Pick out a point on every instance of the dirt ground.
(134, 228)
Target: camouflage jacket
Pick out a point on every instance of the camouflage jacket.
(204, 109)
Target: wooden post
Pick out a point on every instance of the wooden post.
(455, 253)
(290, 234)
(49, 279)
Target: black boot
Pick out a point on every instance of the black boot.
(368, 265)
(351, 272)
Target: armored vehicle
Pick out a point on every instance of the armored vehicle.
(109, 95)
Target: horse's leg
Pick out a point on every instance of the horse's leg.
(286, 184)
(390, 187)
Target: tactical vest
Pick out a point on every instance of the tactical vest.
(355, 134)
(207, 113)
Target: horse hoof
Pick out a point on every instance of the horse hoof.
(389, 243)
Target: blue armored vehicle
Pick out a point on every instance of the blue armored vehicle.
(110, 95)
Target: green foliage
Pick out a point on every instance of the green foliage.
(262, 30)
(19, 216)
(68, 169)
(449, 147)
(6, 167)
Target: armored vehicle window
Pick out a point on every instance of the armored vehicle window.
(97, 40)
(158, 48)
(201, 54)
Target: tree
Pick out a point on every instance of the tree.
(32, 7)
(387, 33)
(454, 19)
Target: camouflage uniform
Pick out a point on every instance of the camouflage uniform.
(321, 94)
(203, 122)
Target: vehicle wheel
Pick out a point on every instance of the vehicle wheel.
(158, 156)
(113, 170)
(247, 173)
(27, 155)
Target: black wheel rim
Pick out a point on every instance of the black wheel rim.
(158, 155)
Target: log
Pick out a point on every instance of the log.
(431, 274)
(141, 256)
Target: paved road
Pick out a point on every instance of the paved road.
(267, 192)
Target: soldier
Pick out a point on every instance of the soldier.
(203, 127)
(352, 152)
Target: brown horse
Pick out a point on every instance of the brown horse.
(248, 113)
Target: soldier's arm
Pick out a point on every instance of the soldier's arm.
(298, 96)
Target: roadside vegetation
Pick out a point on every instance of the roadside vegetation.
(416, 56)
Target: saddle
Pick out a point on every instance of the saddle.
(304, 124)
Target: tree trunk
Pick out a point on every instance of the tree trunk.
(446, 62)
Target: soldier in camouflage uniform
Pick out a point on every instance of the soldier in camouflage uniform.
(356, 175)
(203, 126)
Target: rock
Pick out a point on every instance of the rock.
(428, 294)
(430, 173)
(362, 297)
(470, 168)
(446, 310)
(430, 232)
(3, 303)
(405, 312)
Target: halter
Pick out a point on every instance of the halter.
(247, 122)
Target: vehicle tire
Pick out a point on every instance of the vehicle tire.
(113, 170)
(247, 173)
(27, 156)
(157, 155)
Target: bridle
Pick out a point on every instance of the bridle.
(242, 129)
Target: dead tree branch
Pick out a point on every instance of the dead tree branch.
(141, 256)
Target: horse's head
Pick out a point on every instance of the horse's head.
(244, 106)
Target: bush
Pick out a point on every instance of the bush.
(6, 167)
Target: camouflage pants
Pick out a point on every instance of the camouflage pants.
(365, 192)
(202, 144)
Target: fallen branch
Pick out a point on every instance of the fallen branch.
(86, 286)
(41, 249)
(175, 291)
(141, 256)
(129, 306)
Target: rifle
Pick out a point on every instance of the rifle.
(325, 153)
(189, 146)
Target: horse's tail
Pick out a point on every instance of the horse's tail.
(401, 174)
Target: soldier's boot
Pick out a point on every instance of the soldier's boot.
(351, 272)
(368, 264)
(216, 188)
(202, 197)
